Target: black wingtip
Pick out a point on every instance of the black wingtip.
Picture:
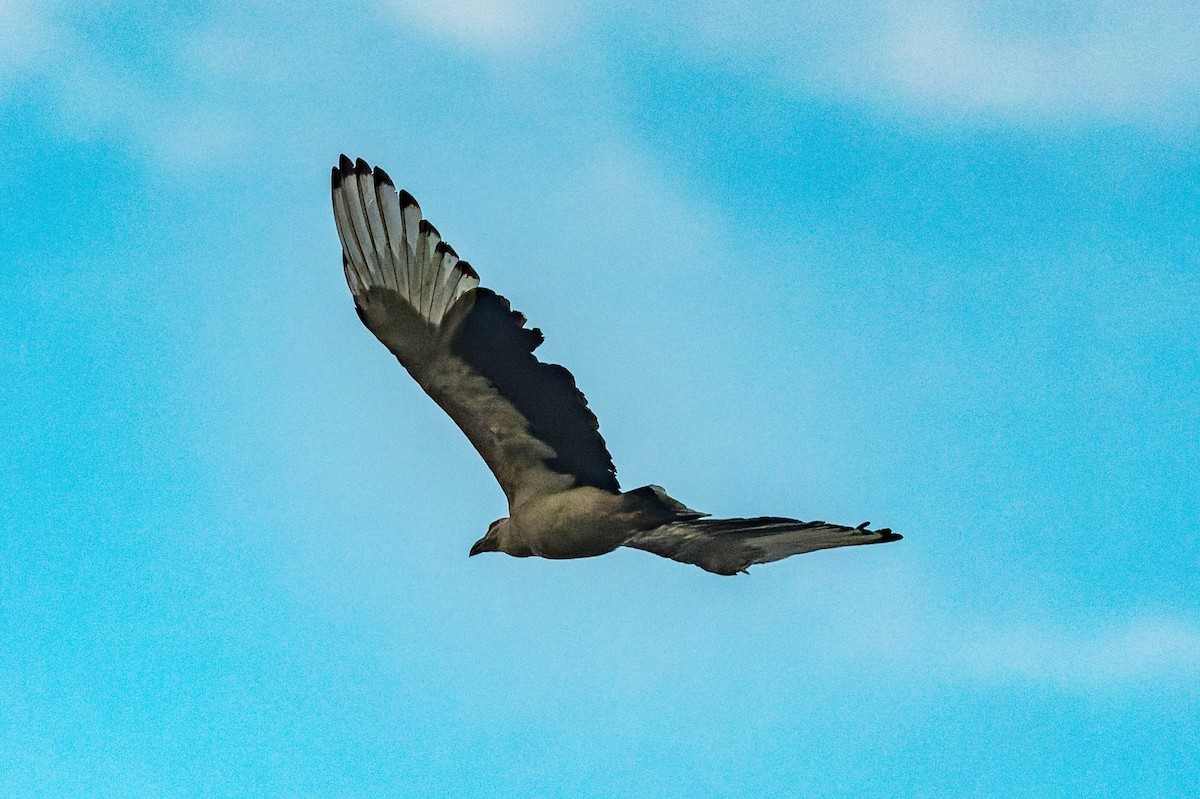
(383, 177)
(468, 269)
(361, 167)
(428, 229)
(336, 182)
(407, 199)
(345, 164)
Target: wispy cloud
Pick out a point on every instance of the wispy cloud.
(188, 133)
(931, 629)
(1149, 650)
(508, 28)
(1096, 58)
(1024, 61)
(25, 33)
(1145, 649)
(94, 96)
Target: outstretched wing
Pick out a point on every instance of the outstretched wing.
(729, 546)
(463, 344)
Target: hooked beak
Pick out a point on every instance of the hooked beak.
(482, 545)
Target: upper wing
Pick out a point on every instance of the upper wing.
(463, 344)
(729, 546)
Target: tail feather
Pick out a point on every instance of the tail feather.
(730, 546)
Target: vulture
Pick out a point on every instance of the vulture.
(474, 356)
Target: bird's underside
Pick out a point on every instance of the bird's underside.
(467, 348)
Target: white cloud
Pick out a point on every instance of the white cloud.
(95, 98)
(1139, 650)
(199, 137)
(224, 52)
(1092, 58)
(24, 36)
(183, 133)
(500, 27)
(1024, 60)
(918, 625)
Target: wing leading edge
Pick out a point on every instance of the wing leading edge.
(464, 344)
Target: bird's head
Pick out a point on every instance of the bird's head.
(494, 540)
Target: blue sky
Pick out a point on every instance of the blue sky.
(932, 264)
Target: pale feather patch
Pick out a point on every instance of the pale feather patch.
(386, 244)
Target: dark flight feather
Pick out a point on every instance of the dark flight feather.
(492, 338)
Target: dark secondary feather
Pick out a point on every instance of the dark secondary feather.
(494, 341)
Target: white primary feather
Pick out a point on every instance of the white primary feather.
(388, 245)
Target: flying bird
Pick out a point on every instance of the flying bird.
(473, 354)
